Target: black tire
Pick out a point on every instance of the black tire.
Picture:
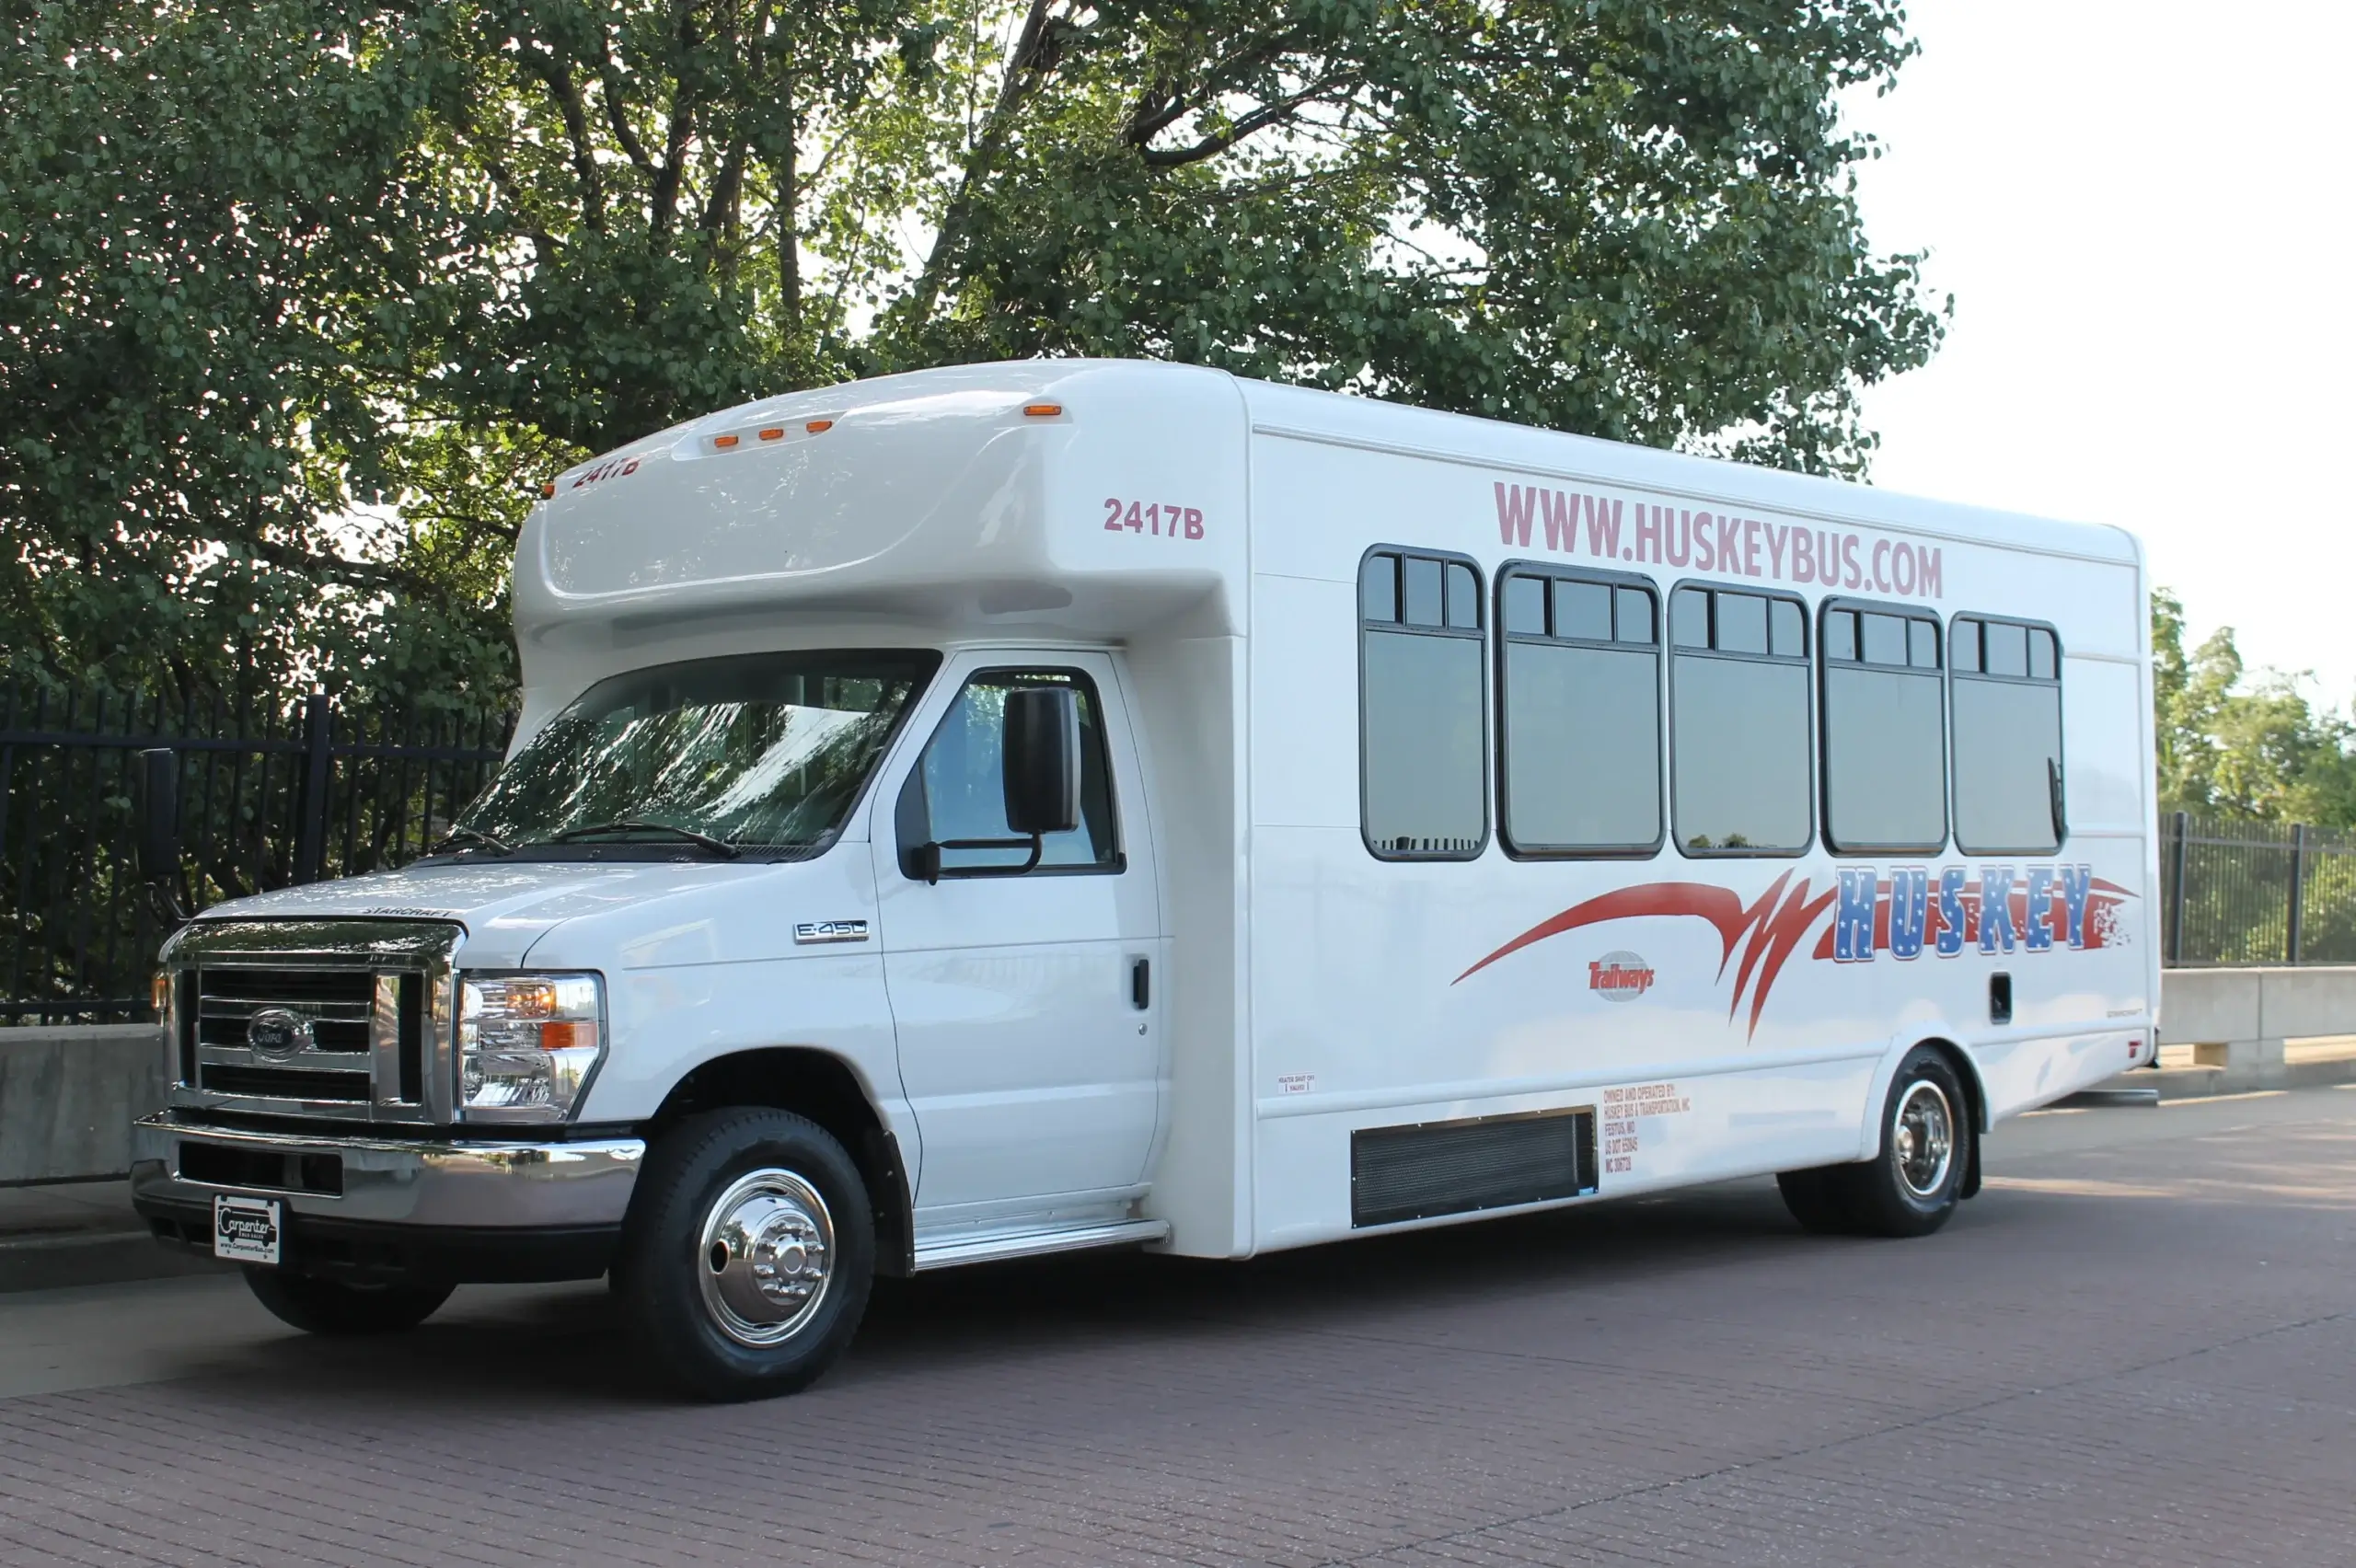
(710, 1328)
(331, 1306)
(1816, 1201)
(1908, 1189)
(1911, 1185)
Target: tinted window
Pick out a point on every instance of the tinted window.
(1583, 609)
(958, 790)
(1423, 755)
(1741, 624)
(2007, 743)
(1741, 748)
(1885, 734)
(1580, 724)
(1423, 579)
(1525, 606)
(1688, 611)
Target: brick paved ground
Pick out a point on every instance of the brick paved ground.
(2139, 1347)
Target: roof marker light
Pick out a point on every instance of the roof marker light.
(773, 432)
(1043, 410)
(723, 441)
(817, 427)
(548, 492)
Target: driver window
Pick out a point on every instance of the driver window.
(958, 791)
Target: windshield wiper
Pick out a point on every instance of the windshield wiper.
(718, 847)
(489, 841)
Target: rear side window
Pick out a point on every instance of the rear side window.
(1422, 702)
(2006, 680)
(1885, 732)
(1740, 740)
(1578, 701)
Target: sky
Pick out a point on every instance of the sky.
(2143, 211)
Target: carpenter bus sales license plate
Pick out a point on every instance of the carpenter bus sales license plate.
(246, 1230)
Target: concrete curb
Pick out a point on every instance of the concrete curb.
(2196, 1082)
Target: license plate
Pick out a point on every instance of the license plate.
(246, 1230)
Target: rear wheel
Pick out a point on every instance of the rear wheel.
(1911, 1185)
(331, 1306)
(747, 1254)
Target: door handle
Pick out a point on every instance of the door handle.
(1141, 983)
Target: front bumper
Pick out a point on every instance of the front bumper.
(459, 1210)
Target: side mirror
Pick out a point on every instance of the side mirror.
(159, 816)
(1042, 755)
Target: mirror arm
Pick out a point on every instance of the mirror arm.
(928, 855)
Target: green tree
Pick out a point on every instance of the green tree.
(2258, 751)
(305, 292)
(219, 235)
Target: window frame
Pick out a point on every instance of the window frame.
(1938, 675)
(1671, 650)
(2061, 726)
(1548, 571)
(1479, 634)
(904, 851)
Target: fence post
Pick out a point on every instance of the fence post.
(2178, 823)
(311, 835)
(2298, 889)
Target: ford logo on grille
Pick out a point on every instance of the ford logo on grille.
(275, 1035)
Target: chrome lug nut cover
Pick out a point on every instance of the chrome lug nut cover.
(1922, 1135)
(764, 1264)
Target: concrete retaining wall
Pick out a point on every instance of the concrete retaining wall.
(2237, 1020)
(68, 1098)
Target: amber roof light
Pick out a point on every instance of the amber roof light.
(1043, 410)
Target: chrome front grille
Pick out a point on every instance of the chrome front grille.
(345, 1020)
(333, 1010)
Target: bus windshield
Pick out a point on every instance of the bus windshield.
(757, 750)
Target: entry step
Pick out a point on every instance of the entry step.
(976, 1248)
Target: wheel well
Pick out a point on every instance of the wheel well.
(1975, 1095)
(822, 1087)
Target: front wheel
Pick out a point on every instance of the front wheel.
(331, 1306)
(747, 1254)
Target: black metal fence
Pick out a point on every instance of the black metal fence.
(2256, 892)
(270, 793)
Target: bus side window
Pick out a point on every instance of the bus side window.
(2006, 748)
(1885, 732)
(1579, 714)
(1422, 746)
(1741, 752)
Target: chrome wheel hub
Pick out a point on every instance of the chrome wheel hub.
(1923, 1137)
(765, 1259)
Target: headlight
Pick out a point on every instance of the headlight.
(526, 1044)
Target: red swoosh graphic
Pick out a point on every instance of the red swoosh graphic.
(1773, 924)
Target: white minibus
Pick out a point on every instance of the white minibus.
(1016, 808)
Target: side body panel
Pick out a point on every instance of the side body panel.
(1386, 993)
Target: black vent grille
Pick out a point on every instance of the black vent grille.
(1436, 1167)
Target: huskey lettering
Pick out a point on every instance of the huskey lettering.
(1994, 908)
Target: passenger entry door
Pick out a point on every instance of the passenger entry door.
(1029, 1039)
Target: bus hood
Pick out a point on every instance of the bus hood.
(505, 906)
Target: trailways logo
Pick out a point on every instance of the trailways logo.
(2032, 908)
